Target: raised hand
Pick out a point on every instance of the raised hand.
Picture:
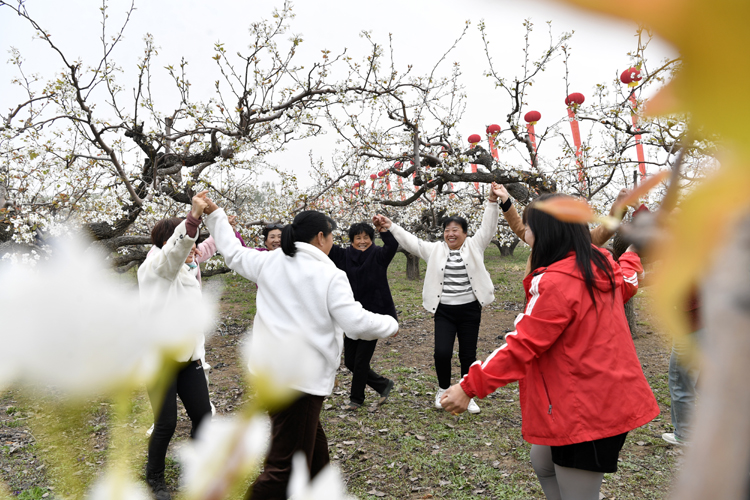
(499, 191)
(618, 210)
(200, 204)
(211, 205)
(232, 220)
(381, 221)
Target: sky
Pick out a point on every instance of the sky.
(422, 31)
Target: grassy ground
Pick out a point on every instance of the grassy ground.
(403, 449)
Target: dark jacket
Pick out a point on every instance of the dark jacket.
(368, 273)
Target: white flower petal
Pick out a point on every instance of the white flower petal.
(116, 486)
(68, 322)
(224, 449)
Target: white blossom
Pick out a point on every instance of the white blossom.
(224, 450)
(117, 486)
(327, 485)
(69, 323)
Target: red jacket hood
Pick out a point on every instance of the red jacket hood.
(569, 267)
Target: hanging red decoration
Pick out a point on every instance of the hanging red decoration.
(573, 101)
(397, 165)
(631, 76)
(382, 173)
(574, 98)
(492, 132)
(373, 176)
(356, 185)
(474, 139)
(532, 117)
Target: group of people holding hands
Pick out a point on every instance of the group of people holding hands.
(581, 385)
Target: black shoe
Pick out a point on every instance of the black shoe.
(158, 486)
(351, 406)
(385, 393)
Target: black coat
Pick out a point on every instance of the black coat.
(368, 273)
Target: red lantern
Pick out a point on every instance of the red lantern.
(493, 129)
(574, 98)
(474, 139)
(397, 165)
(363, 183)
(631, 76)
(533, 117)
(382, 173)
(373, 176)
(356, 185)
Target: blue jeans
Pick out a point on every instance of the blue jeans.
(683, 377)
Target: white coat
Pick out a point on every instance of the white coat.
(164, 280)
(304, 305)
(435, 253)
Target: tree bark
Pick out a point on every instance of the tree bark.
(412, 267)
(631, 315)
(619, 245)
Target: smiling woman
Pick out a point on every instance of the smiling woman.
(456, 286)
(366, 266)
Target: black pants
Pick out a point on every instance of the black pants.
(297, 428)
(190, 385)
(357, 356)
(451, 321)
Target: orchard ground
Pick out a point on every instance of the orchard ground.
(403, 449)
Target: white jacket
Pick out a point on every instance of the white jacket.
(304, 305)
(165, 280)
(435, 253)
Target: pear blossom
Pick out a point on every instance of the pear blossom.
(327, 485)
(115, 485)
(224, 450)
(71, 312)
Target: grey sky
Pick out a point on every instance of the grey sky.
(422, 31)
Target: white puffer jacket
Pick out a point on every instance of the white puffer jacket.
(435, 253)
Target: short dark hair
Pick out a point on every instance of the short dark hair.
(306, 226)
(458, 220)
(270, 227)
(164, 229)
(359, 228)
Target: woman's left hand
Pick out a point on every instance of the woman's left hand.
(455, 400)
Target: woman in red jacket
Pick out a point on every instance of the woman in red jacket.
(580, 381)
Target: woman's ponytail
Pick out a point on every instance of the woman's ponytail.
(305, 227)
(287, 240)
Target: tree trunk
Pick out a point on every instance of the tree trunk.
(507, 251)
(619, 245)
(412, 267)
(630, 315)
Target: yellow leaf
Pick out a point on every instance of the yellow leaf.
(567, 209)
(704, 221)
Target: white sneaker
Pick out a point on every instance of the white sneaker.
(438, 396)
(473, 407)
(670, 438)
